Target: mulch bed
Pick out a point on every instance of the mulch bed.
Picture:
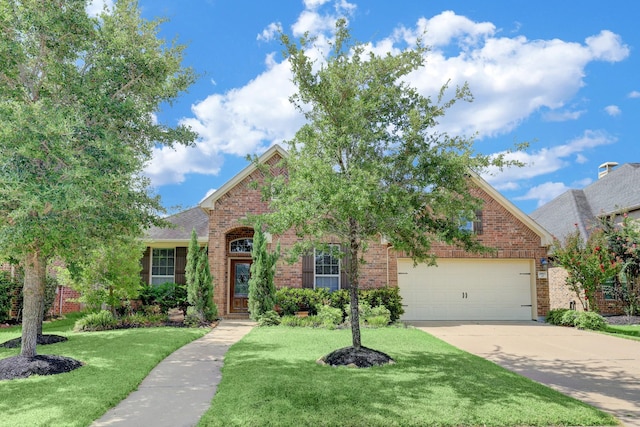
(42, 340)
(623, 320)
(46, 364)
(362, 357)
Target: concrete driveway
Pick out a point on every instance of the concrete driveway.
(598, 369)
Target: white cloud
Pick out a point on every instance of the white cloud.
(511, 78)
(634, 94)
(270, 32)
(547, 160)
(613, 110)
(562, 115)
(544, 193)
(170, 165)
(95, 7)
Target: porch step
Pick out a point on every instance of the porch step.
(236, 316)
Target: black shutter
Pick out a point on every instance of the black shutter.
(180, 265)
(345, 263)
(308, 270)
(144, 272)
(477, 223)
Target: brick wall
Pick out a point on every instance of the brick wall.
(63, 304)
(561, 295)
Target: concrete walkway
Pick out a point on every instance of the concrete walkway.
(601, 370)
(178, 391)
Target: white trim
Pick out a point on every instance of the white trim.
(315, 274)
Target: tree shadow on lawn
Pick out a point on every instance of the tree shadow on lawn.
(421, 389)
(601, 378)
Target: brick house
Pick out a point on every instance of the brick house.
(616, 191)
(510, 284)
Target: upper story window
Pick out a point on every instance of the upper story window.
(327, 268)
(163, 266)
(241, 246)
(474, 226)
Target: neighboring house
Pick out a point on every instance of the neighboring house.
(616, 191)
(509, 284)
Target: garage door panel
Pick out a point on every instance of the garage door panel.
(463, 289)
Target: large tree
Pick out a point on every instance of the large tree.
(369, 163)
(77, 126)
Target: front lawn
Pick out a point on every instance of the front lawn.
(628, 331)
(115, 363)
(270, 378)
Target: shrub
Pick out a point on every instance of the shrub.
(269, 318)
(388, 297)
(166, 296)
(378, 317)
(8, 290)
(302, 322)
(329, 317)
(590, 320)
(140, 320)
(569, 318)
(554, 317)
(99, 321)
(291, 300)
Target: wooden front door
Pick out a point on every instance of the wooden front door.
(240, 285)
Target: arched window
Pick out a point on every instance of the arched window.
(241, 246)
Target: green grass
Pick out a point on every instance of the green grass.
(628, 331)
(115, 363)
(270, 378)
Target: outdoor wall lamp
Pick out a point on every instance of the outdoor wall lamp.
(544, 263)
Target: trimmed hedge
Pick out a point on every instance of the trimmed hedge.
(291, 300)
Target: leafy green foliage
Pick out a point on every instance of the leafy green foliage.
(588, 264)
(104, 320)
(107, 274)
(8, 290)
(300, 322)
(291, 300)
(368, 162)
(100, 321)
(166, 296)
(330, 317)
(269, 318)
(624, 244)
(77, 126)
(201, 308)
(579, 319)
(262, 290)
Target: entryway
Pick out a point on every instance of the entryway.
(239, 285)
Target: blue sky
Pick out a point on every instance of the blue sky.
(562, 75)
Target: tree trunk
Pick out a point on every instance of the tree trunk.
(35, 268)
(354, 247)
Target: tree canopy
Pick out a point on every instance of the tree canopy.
(370, 163)
(77, 126)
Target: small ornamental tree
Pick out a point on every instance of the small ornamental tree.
(262, 291)
(588, 263)
(624, 243)
(368, 163)
(199, 283)
(107, 274)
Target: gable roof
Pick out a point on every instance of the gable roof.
(183, 223)
(209, 202)
(618, 191)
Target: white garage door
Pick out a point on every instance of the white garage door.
(466, 289)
